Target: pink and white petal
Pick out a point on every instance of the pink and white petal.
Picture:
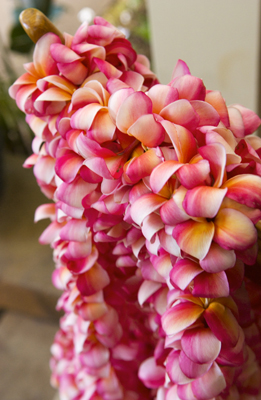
(211, 285)
(44, 169)
(54, 94)
(200, 345)
(45, 211)
(83, 96)
(75, 230)
(172, 212)
(180, 69)
(189, 87)
(43, 61)
(233, 230)
(51, 233)
(151, 225)
(254, 214)
(194, 237)
(144, 206)
(245, 189)
(222, 323)
(251, 121)
(151, 374)
(132, 79)
(23, 98)
(168, 243)
(146, 289)
(75, 72)
(181, 112)
(218, 259)
(216, 156)
(183, 272)
(161, 174)
(74, 192)
(58, 81)
(142, 166)
(76, 250)
(132, 108)
(203, 201)
(207, 114)
(62, 54)
(236, 122)
(195, 174)
(114, 85)
(109, 70)
(25, 79)
(215, 98)
(191, 369)
(209, 385)
(67, 166)
(183, 141)
(83, 118)
(185, 392)
(147, 130)
(173, 369)
(180, 317)
(93, 280)
(102, 128)
(116, 100)
(161, 96)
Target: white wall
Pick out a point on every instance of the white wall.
(218, 39)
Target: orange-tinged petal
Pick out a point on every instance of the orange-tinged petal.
(43, 61)
(161, 96)
(216, 156)
(135, 105)
(222, 323)
(145, 205)
(194, 237)
(147, 130)
(245, 189)
(181, 112)
(93, 280)
(161, 174)
(215, 98)
(181, 317)
(203, 201)
(233, 230)
(218, 259)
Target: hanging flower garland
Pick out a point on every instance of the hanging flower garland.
(156, 192)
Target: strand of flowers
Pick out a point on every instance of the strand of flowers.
(158, 181)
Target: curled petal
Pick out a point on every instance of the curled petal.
(195, 174)
(215, 98)
(200, 345)
(218, 259)
(44, 169)
(161, 96)
(216, 156)
(245, 189)
(181, 112)
(180, 317)
(93, 280)
(194, 237)
(68, 166)
(203, 201)
(117, 99)
(189, 87)
(180, 69)
(161, 174)
(141, 166)
(233, 230)
(183, 141)
(172, 212)
(211, 285)
(74, 192)
(136, 105)
(209, 385)
(144, 206)
(242, 120)
(207, 114)
(151, 374)
(173, 369)
(183, 272)
(146, 289)
(191, 369)
(147, 130)
(43, 61)
(222, 323)
(102, 129)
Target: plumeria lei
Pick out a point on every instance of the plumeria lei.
(156, 191)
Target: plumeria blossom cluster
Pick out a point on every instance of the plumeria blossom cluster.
(156, 192)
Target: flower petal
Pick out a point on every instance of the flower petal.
(93, 280)
(203, 201)
(233, 230)
(180, 317)
(147, 130)
(144, 206)
(245, 189)
(218, 259)
(209, 385)
(200, 345)
(194, 237)
(181, 112)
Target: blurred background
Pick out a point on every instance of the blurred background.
(219, 40)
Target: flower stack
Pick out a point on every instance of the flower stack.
(156, 192)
